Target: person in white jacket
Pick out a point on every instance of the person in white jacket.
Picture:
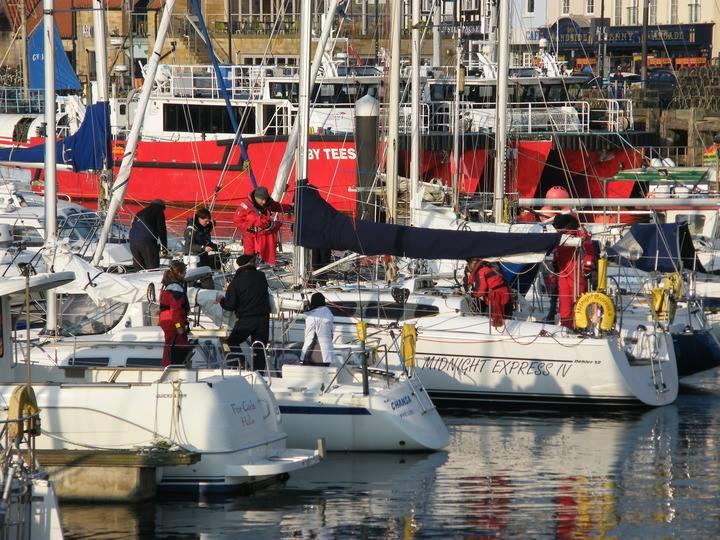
(318, 332)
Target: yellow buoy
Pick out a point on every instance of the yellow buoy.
(595, 308)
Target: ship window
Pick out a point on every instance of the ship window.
(480, 93)
(345, 309)
(382, 310)
(91, 361)
(143, 362)
(397, 311)
(555, 92)
(284, 90)
(81, 317)
(30, 236)
(442, 92)
(206, 118)
(696, 222)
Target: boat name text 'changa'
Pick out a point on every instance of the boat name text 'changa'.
(398, 403)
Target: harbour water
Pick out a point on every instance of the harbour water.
(646, 473)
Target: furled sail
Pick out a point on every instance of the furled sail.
(323, 227)
(651, 247)
(83, 151)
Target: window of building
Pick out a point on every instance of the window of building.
(633, 12)
(565, 7)
(618, 12)
(652, 12)
(673, 11)
(590, 7)
(694, 9)
(530, 6)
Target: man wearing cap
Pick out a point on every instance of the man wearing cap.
(257, 227)
(148, 236)
(247, 296)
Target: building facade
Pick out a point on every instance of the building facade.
(681, 33)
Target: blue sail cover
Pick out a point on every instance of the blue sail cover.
(320, 226)
(651, 247)
(65, 78)
(85, 150)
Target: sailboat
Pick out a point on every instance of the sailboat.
(230, 422)
(461, 358)
(386, 411)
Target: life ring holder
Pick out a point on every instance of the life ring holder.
(583, 318)
(22, 413)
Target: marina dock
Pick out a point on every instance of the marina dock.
(104, 476)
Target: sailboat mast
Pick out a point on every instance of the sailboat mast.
(301, 168)
(24, 54)
(501, 111)
(100, 51)
(437, 39)
(123, 176)
(459, 90)
(283, 174)
(101, 73)
(415, 107)
(50, 141)
(391, 164)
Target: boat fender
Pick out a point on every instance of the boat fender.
(23, 405)
(409, 343)
(664, 299)
(361, 329)
(673, 283)
(594, 300)
(663, 304)
(150, 293)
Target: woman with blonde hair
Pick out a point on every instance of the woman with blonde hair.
(174, 310)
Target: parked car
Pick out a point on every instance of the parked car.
(664, 82)
(661, 81)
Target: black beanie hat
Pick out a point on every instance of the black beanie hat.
(317, 300)
(244, 260)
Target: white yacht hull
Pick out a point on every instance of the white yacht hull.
(527, 367)
(230, 424)
(461, 359)
(395, 416)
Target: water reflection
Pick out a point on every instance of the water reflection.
(532, 474)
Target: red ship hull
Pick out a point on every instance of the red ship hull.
(186, 174)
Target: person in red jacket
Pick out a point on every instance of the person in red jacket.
(174, 310)
(257, 227)
(488, 285)
(573, 265)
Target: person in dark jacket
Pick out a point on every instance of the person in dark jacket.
(247, 296)
(198, 238)
(198, 242)
(148, 236)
